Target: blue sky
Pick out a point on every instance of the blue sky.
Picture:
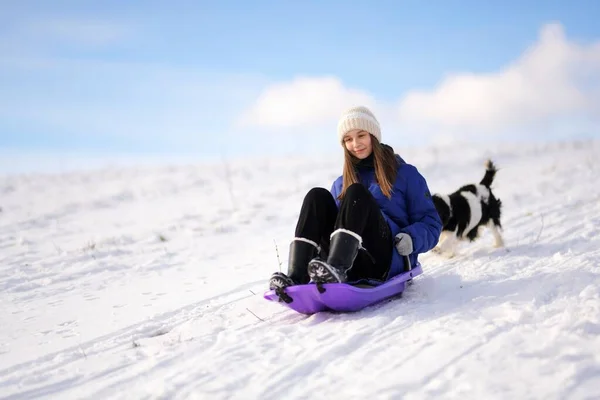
(230, 77)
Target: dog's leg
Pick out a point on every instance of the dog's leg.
(453, 247)
(448, 247)
(498, 241)
(443, 237)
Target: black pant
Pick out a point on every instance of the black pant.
(360, 213)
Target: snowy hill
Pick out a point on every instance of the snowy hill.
(147, 283)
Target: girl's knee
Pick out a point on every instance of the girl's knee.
(357, 190)
(318, 194)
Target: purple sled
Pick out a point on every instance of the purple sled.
(342, 297)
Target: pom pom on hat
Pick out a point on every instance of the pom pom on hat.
(358, 118)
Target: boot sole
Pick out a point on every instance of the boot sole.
(321, 272)
(279, 281)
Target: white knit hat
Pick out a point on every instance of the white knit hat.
(358, 118)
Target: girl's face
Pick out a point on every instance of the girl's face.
(358, 143)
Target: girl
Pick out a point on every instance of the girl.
(379, 210)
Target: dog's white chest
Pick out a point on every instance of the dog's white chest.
(475, 207)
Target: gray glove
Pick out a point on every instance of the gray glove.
(404, 244)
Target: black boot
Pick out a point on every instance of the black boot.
(343, 250)
(301, 252)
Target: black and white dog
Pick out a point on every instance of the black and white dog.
(467, 211)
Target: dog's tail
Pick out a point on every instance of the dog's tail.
(490, 173)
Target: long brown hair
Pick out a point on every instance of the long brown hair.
(384, 162)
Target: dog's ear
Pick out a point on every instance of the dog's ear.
(442, 208)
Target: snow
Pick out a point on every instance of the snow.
(147, 282)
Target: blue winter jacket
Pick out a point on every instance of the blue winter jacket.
(409, 210)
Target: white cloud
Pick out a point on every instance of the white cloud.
(553, 81)
(304, 101)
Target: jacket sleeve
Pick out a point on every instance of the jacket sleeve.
(425, 224)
